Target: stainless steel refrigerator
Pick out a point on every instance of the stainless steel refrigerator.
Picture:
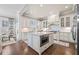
(77, 29)
(74, 31)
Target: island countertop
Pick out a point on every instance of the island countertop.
(41, 33)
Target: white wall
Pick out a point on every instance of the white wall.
(10, 10)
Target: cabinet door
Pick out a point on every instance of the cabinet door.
(56, 36)
(61, 36)
(66, 36)
(36, 42)
(70, 37)
(32, 23)
(51, 38)
(62, 22)
(44, 24)
(30, 40)
(67, 21)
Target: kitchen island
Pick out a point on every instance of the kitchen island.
(40, 41)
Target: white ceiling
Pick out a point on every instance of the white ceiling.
(10, 10)
(35, 9)
(47, 9)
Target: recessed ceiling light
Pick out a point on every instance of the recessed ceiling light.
(41, 5)
(66, 6)
(77, 19)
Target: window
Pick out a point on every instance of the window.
(62, 22)
(67, 21)
(4, 23)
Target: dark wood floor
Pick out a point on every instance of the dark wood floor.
(60, 50)
(0, 50)
(21, 48)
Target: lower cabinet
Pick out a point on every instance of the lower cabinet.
(56, 36)
(30, 40)
(51, 37)
(66, 36)
(34, 42)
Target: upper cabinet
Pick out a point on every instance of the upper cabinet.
(66, 21)
(62, 22)
(66, 18)
(33, 23)
(44, 24)
(28, 22)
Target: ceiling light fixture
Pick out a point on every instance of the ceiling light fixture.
(66, 6)
(41, 5)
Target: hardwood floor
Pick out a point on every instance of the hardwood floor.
(0, 50)
(60, 50)
(21, 48)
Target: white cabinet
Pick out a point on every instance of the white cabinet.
(33, 23)
(66, 21)
(34, 42)
(44, 24)
(70, 37)
(62, 21)
(51, 38)
(61, 36)
(28, 22)
(30, 39)
(66, 36)
(56, 35)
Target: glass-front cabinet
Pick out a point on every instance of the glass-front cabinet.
(45, 24)
(65, 21)
(62, 22)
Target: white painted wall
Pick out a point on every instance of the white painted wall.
(10, 10)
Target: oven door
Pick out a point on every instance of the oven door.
(44, 39)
